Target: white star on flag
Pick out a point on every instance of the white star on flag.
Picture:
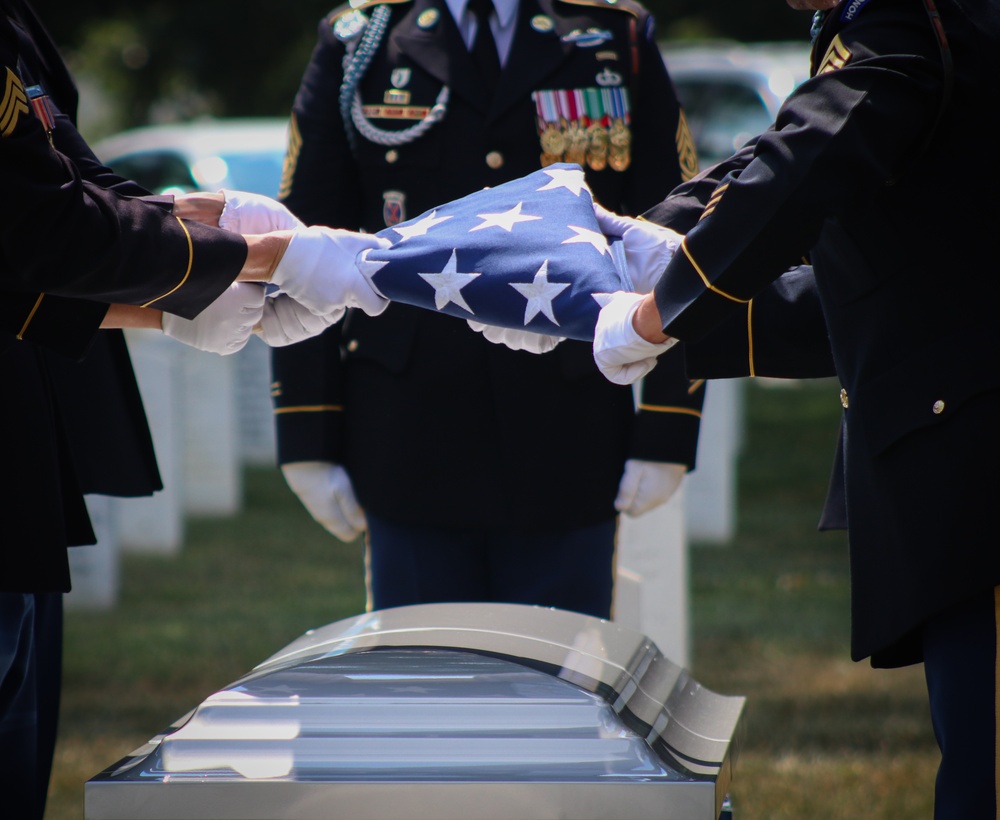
(540, 292)
(420, 227)
(507, 220)
(448, 284)
(589, 237)
(569, 178)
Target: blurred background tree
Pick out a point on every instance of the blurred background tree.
(143, 61)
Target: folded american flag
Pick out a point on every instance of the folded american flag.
(527, 254)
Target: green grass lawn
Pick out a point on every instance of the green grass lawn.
(825, 737)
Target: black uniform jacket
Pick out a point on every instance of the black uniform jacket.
(868, 173)
(436, 425)
(73, 419)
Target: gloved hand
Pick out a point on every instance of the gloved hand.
(325, 491)
(622, 355)
(245, 213)
(647, 484)
(516, 339)
(648, 247)
(319, 270)
(225, 325)
(285, 321)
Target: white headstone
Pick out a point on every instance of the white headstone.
(156, 524)
(651, 592)
(94, 570)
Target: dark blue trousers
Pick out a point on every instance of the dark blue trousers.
(418, 565)
(30, 679)
(960, 663)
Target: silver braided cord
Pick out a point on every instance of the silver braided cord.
(356, 60)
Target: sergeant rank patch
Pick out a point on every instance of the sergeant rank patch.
(15, 103)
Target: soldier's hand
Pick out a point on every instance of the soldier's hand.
(244, 213)
(622, 355)
(225, 325)
(646, 485)
(648, 247)
(318, 269)
(325, 490)
(516, 339)
(285, 321)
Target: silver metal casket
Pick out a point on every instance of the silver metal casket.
(442, 712)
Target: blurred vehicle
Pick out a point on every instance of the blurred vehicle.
(732, 91)
(202, 155)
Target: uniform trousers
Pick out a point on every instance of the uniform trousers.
(960, 664)
(421, 565)
(30, 677)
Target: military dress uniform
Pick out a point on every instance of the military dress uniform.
(73, 417)
(443, 434)
(865, 173)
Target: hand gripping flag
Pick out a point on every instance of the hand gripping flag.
(527, 254)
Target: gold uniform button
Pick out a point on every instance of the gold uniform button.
(938, 407)
(391, 155)
(494, 159)
(843, 398)
(352, 345)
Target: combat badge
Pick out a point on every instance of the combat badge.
(587, 39)
(14, 104)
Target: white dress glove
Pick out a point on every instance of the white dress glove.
(648, 247)
(225, 325)
(516, 339)
(319, 270)
(325, 491)
(622, 355)
(245, 213)
(647, 484)
(286, 322)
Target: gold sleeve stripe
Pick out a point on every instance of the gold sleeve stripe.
(753, 371)
(187, 273)
(291, 157)
(704, 279)
(310, 408)
(706, 212)
(659, 408)
(695, 386)
(31, 315)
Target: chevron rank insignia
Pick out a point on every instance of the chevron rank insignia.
(15, 103)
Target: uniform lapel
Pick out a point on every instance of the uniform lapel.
(440, 50)
(535, 52)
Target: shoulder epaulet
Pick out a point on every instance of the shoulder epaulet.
(629, 6)
(359, 5)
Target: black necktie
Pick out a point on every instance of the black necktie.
(484, 48)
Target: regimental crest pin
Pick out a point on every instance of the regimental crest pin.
(393, 207)
(400, 77)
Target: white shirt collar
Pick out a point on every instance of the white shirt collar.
(506, 11)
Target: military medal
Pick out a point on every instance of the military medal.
(597, 133)
(619, 136)
(550, 136)
(571, 105)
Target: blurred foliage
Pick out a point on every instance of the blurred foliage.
(162, 60)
